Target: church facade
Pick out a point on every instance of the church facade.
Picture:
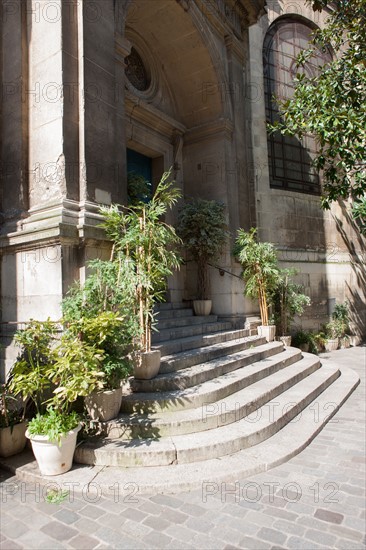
(94, 88)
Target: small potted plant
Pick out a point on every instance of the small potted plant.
(260, 273)
(139, 233)
(12, 424)
(288, 301)
(64, 371)
(203, 230)
(341, 315)
(333, 333)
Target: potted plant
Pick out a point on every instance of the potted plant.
(302, 340)
(102, 313)
(12, 424)
(260, 274)
(202, 228)
(288, 301)
(342, 317)
(333, 332)
(69, 369)
(139, 233)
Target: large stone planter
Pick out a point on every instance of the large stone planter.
(345, 342)
(268, 331)
(54, 458)
(146, 365)
(12, 439)
(104, 405)
(202, 307)
(331, 344)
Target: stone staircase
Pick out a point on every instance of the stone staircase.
(219, 393)
(226, 405)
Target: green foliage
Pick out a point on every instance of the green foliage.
(56, 496)
(306, 337)
(102, 313)
(338, 327)
(331, 104)
(70, 367)
(29, 376)
(9, 411)
(54, 424)
(358, 212)
(76, 372)
(138, 189)
(139, 233)
(288, 301)
(202, 228)
(260, 269)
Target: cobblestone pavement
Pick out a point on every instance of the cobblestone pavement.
(314, 501)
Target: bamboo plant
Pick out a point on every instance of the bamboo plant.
(139, 233)
(260, 269)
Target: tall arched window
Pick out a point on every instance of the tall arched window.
(290, 160)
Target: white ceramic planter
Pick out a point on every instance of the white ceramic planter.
(104, 405)
(53, 458)
(268, 331)
(12, 439)
(146, 365)
(202, 307)
(331, 345)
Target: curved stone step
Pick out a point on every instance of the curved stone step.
(207, 392)
(207, 475)
(194, 329)
(174, 313)
(217, 348)
(193, 342)
(207, 370)
(184, 321)
(222, 412)
(224, 440)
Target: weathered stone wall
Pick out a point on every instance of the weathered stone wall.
(324, 246)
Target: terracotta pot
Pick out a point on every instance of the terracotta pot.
(268, 331)
(146, 365)
(104, 405)
(12, 439)
(54, 458)
(202, 307)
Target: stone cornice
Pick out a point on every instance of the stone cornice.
(138, 110)
(209, 131)
(62, 221)
(231, 16)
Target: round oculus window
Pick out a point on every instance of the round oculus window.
(136, 72)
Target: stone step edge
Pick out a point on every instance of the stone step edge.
(224, 440)
(188, 358)
(191, 397)
(167, 335)
(208, 369)
(228, 404)
(97, 481)
(180, 322)
(200, 341)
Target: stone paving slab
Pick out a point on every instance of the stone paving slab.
(316, 500)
